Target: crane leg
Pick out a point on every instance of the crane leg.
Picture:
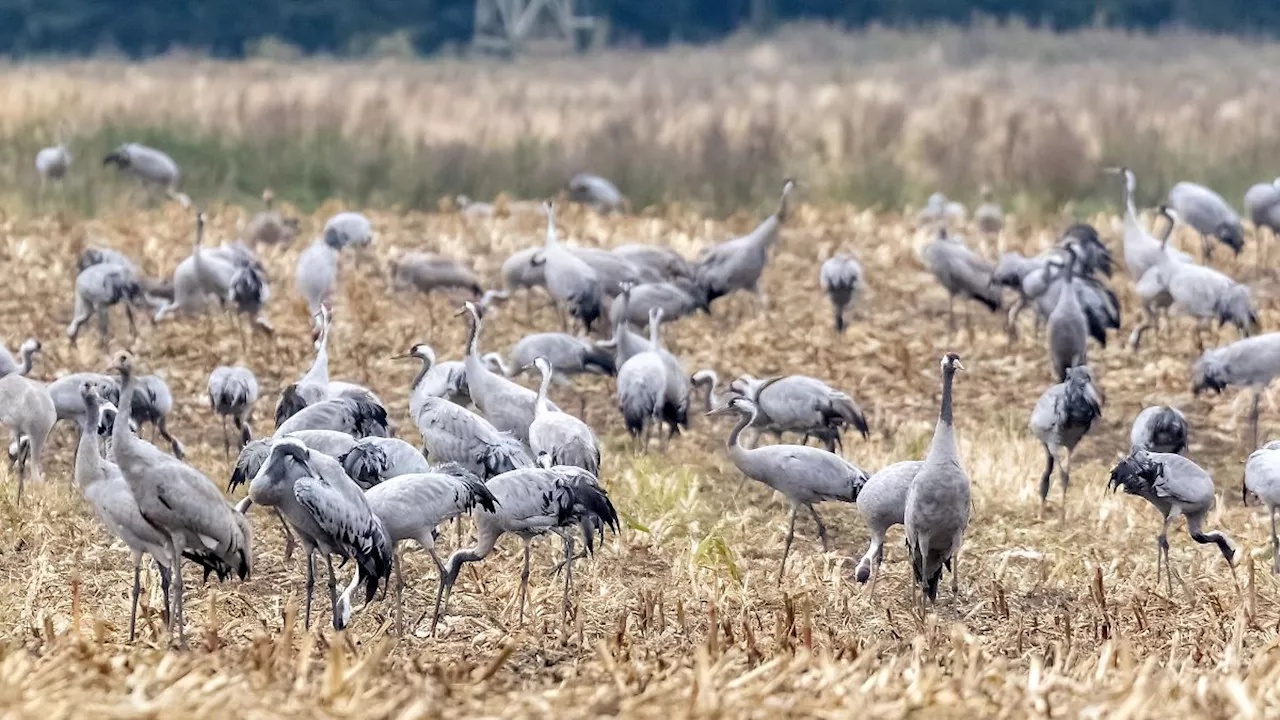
(164, 587)
(524, 578)
(1066, 480)
(955, 572)
(951, 313)
(311, 587)
(396, 561)
(822, 530)
(1047, 477)
(1253, 420)
(137, 590)
(288, 537)
(333, 594)
(162, 427)
(179, 617)
(133, 323)
(568, 581)
(786, 550)
(1163, 545)
(226, 441)
(1275, 542)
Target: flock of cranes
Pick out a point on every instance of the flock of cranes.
(342, 484)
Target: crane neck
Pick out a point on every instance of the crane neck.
(540, 406)
(744, 421)
(655, 334)
(27, 361)
(473, 339)
(422, 373)
(120, 435)
(944, 414)
(87, 458)
(551, 229)
(319, 371)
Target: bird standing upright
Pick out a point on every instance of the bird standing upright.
(1062, 417)
(937, 511)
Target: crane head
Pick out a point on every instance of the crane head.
(30, 346)
(951, 363)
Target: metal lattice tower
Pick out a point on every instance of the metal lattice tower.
(508, 26)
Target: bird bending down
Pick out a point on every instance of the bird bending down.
(1175, 486)
(1160, 428)
(1062, 417)
(962, 273)
(804, 475)
(27, 409)
(937, 511)
(882, 503)
(27, 351)
(232, 393)
(841, 279)
(1252, 362)
(411, 506)
(330, 514)
(530, 502)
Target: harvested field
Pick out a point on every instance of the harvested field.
(681, 614)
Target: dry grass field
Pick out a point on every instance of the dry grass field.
(680, 614)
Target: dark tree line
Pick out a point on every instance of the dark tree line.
(140, 28)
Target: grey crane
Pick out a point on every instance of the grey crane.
(1061, 418)
(1142, 251)
(530, 502)
(937, 511)
(1160, 428)
(841, 279)
(427, 273)
(679, 298)
(1252, 362)
(27, 351)
(988, 215)
(412, 506)
(97, 288)
(65, 393)
(738, 264)
(707, 378)
(524, 270)
(1197, 291)
(803, 405)
(53, 162)
(179, 501)
(269, 226)
(330, 442)
(374, 460)
(1211, 216)
(641, 388)
(1262, 478)
(961, 273)
(506, 404)
(882, 502)
(231, 273)
(316, 274)
(675, 396)
(938, 210)
(1176, 487)
(107, 492)
(28, 411)
(565, 438)
(1094, 257)
(569, 354)
(1262, 205)
(804, 475)
(611, 268)
(149, 166)
(152, 403)
(452, 433)
(232, 394)
(1068, 328)
(575, 285)
(656, 262)
(358, 417)
(446, 380)
(349, 229)
(596, 192)
(331, 516)
(625, 342)
(1098, 302)
(316, 385)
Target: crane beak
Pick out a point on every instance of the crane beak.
(722, 410)
(959, 366)
(404, 356)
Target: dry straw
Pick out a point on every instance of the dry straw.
(680, 615)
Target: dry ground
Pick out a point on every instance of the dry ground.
(680, 614)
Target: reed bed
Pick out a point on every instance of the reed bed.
(681, 614)
(878, 119)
